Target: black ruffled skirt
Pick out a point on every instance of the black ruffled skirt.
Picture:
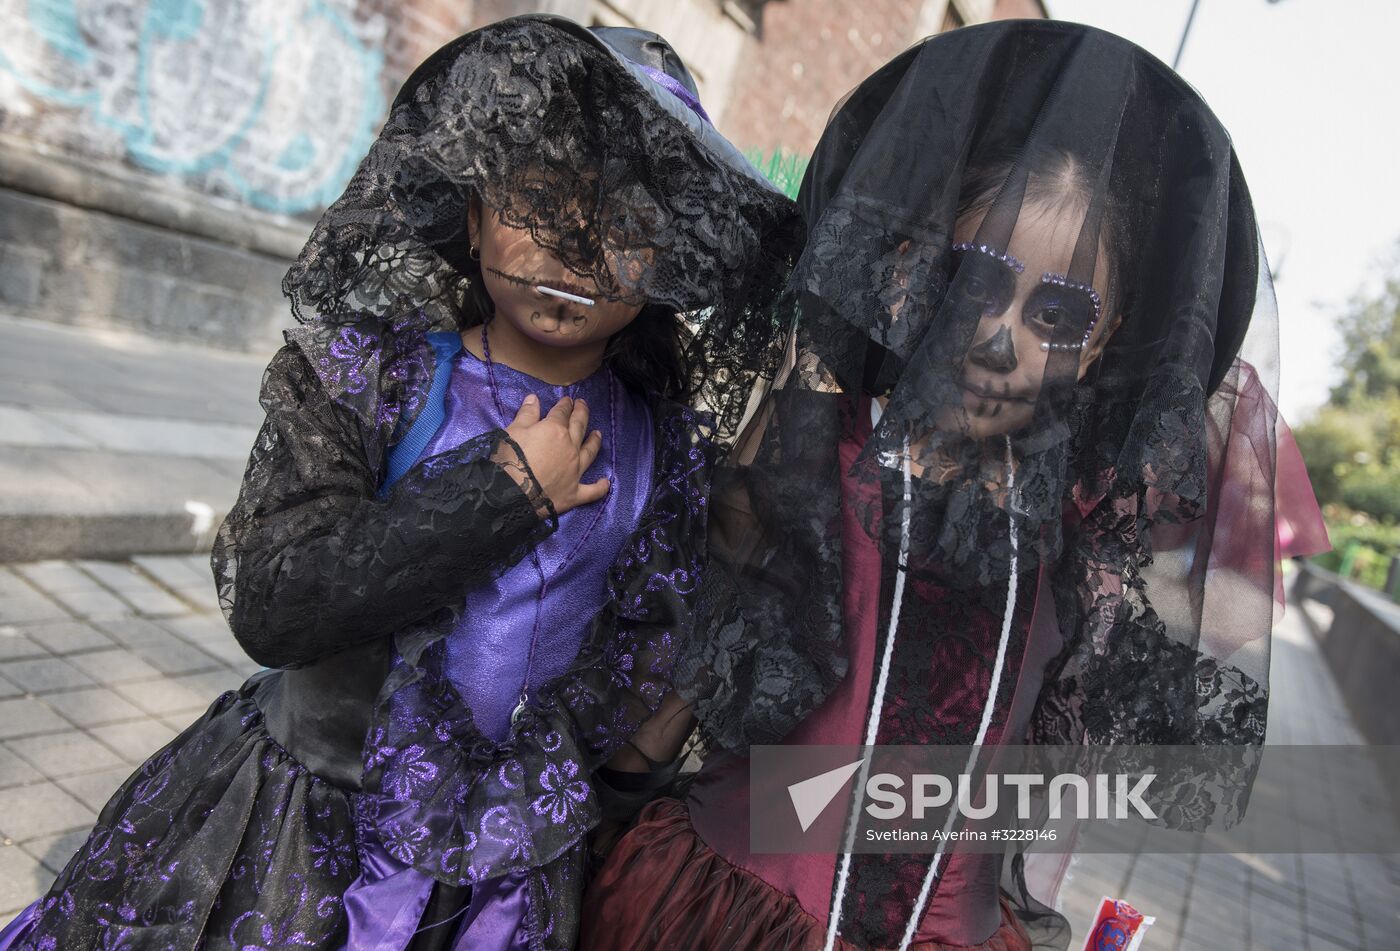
(222, 839)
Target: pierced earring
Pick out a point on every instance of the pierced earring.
(474, 252)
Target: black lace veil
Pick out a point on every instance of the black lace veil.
(1007, 473)
(619, 177)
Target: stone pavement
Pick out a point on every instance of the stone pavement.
(1257, 902)
(114, 443)
(103, 662)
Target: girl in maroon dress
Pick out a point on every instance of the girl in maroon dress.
(998, 493)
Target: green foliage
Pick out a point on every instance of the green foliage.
(1371, 346)
(1361, 547)
(1333, 446)
(784, 169)
(1374, 490)
(1352, 445)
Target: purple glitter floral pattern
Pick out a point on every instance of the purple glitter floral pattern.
(378, 369)
(526, 804)
(352, 361)
(564, 792)
(408, 373)
(211, 807)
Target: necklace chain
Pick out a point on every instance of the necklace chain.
(534, 552)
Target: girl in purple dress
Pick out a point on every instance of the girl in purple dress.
(469, 536)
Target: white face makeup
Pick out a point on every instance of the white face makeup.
(537, 295)
(1025, 296)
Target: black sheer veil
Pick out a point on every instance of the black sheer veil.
(1032, 248)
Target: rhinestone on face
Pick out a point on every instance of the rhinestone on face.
(993, 253)
(1093, 295)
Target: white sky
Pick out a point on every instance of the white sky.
(1307, 89)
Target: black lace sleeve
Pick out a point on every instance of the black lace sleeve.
(1128, 679)
(1125, 676)
(310, 562)
(768, 646)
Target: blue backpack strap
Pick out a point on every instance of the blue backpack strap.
(404, 453)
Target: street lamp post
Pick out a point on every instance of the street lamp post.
(1186, 31)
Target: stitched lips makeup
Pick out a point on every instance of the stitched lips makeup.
(564, 295)
(544, 289)
(992, 393)
(989, 401)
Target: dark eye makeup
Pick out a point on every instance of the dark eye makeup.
(984, 276)
(1051, 306)
(985, 280)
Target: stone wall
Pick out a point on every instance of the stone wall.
(161, 161)
(808, 54)
(1361, 641)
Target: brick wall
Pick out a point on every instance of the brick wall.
(810, 53)
(1019, 10)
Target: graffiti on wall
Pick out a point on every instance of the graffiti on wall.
(269, 102)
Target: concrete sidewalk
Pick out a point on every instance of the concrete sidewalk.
(114, 443)
(101, 663)
(1259, 902)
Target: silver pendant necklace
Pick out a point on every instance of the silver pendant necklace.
(544, 578)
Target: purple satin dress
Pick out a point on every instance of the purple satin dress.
(549, 598)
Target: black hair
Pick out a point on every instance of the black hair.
(651, 354)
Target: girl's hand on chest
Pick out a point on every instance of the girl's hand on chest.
(559, 449)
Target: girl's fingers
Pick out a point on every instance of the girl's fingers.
(589, 450)
(578, 422)
(529, 412)
(592, 491)
(561, 411)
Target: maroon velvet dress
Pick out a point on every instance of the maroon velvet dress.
(683, 877)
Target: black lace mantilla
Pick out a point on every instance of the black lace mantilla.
(559, 138)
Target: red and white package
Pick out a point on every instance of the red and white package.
(1118, 926)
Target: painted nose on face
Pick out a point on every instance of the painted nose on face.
(997, 353)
